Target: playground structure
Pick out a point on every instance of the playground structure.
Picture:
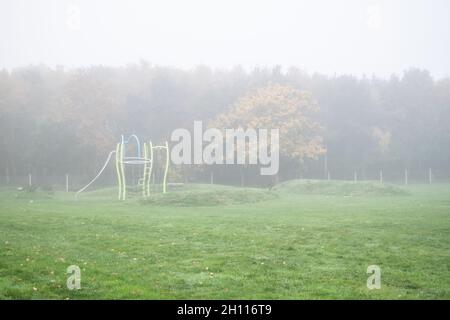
(146, 158)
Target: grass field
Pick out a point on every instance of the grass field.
(301, 240)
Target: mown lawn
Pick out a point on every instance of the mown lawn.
(290, 245)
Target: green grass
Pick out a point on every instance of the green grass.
(206, 196)
(289, 243)
(340, 188)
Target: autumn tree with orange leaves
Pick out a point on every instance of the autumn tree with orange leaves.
(279, 107)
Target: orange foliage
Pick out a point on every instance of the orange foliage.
(279, 107)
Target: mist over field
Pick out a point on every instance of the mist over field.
(56, 122)
(224, 149)
(78, 74)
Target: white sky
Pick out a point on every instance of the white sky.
(334, 36)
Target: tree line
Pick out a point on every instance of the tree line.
(55, 121)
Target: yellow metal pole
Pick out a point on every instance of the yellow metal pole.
(167, 168)
(122, 170)
(151, 167)
(119, 177)
(144, 180)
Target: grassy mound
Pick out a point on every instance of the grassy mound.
(111, 193)
(206, 195)
(339, 188)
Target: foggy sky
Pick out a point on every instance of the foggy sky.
(343, 37)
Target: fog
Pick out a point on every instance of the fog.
(356, 88)
(220, 150)
(359, 37)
